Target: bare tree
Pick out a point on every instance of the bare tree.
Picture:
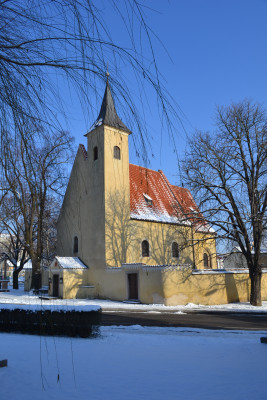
(13, 247)
(33, 169)
(45, 43)
(227, 171)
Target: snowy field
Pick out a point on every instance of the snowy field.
(133, 363)
(136, 363)
(20, 297)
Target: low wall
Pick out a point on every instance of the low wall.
(208, 287)
(43, 320)
(182, 285)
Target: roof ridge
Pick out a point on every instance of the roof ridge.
(150, 169)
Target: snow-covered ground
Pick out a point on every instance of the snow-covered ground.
(20, 297)
(136, 363)
(133, 363)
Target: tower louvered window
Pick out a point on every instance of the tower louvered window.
(117, 152)
(95, 153)
(75, 245)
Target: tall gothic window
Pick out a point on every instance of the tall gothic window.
(75, 245)
(206, 260)
(175, 250)
(145, 248)
(95, 153)
(117, 152)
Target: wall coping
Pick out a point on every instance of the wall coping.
(223, 271)
(147, 268)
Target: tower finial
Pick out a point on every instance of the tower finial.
(107, 73)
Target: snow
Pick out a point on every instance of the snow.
(28, 265)
(52, 307)
(27, 298)
(136, 363)
(147, 197)
(71, 263)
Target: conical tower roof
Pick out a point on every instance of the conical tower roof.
(108, 114)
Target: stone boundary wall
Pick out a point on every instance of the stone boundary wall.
(208, 287)
(50, 322)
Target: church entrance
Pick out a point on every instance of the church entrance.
(133, 286)
(55, 286)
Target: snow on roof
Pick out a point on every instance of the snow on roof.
(28, 265)
(147, 197)
(237, 249)
(171, 204)
(71, 263)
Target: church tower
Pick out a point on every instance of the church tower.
(107, 148)
(99, 178)
(108, 172)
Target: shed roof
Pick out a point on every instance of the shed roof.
(70, 263)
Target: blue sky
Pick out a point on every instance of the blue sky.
(218, 55)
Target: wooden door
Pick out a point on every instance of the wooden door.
(133, 286)
(55, 285)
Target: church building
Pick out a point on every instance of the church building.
(124, 231)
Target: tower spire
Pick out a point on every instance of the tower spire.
(108, 114)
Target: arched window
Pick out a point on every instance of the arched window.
(175, 250)
(117, 152)
(95, 153)
(206, 260)
(75, 245)
(145, 248)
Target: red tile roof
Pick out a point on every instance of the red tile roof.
(170, 203)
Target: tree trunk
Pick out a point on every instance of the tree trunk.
(36, 280)
(15, 279)
(255, 293)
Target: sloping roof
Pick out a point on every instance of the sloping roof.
(28, 265)
(237, 249)
(170, 203)
(71, 263)
(108, 114)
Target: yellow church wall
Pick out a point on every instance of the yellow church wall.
(172, 286)
(124, 237)
(113, 285)
(204, 243)
(182, 286)
(76, 284)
